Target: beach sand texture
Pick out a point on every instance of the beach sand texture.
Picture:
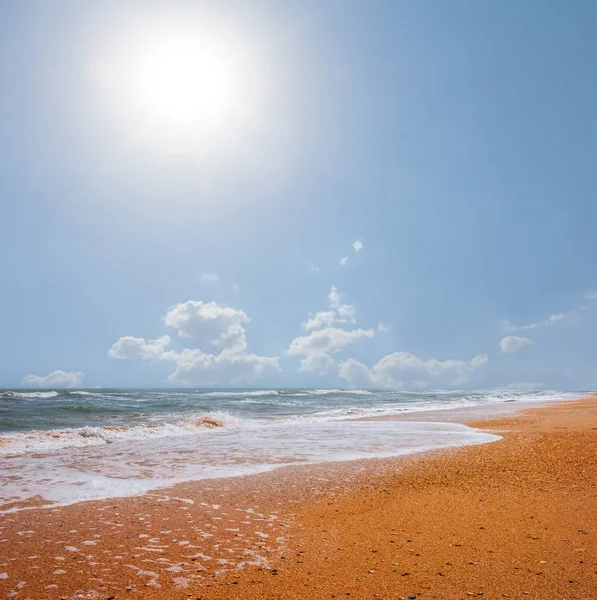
(512, 519)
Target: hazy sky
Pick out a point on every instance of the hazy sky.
(317, 193)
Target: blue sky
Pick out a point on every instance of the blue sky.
(455, 141)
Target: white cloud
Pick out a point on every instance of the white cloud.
(194, 367)
(509, 327)
(383, 327)
(343, 261)
(208, 323)
(404, 370)
(208, 277)
(338, 313)
(59, 379)
(479, 360)
(357, 245)
(357, 374)
(549, 321)
(319, 363)
(129, 347)
(314, 269)
(558, 317)
(334, 297)
(344, 310)
(319, 344)
(330, 339)
(347, 311)
(324, 318)
(512, 344)
(325, 337)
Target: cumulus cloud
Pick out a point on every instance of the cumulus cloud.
(208, 323)
(357, 245)
(512, 344)
(402, 370)
(324, 318)
(330, 339)
(479, 360)
(319, 363)
(326, 337)
(338, 313)
(343, 261)
(347, 312)
(357, 374)
(58, 379)
(591, 296)
(194, 367)
(344, 310)
(383, 327)
(334, 297)
(319, 344)
(129, 347)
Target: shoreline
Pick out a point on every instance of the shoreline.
(192, 538)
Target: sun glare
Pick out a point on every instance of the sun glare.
(183, 82)
(186, 82)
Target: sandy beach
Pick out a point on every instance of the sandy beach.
(515, 518)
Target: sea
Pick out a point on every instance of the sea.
(59, 447)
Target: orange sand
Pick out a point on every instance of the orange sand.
(516, 518)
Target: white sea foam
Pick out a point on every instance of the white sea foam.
(86, 473)
(234, 394)
(55, 439)
(327, 392)
(184, 424)
(228, 433)
(11, 394)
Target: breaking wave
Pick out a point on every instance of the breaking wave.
(234, 394)
(57, 439)
(334, 391)
(11, 394)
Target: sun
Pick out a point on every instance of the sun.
(177, 80)
(181, 81)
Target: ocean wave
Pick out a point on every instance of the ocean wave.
(57, 439)
(236, 394)
(327, 392)
(12, 394)
(81, 408)
(253, 411)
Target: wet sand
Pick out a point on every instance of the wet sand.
(515, 518)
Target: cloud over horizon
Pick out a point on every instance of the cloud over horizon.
(402, 370)
(59, 379)
(208, 323)
(326, 336)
